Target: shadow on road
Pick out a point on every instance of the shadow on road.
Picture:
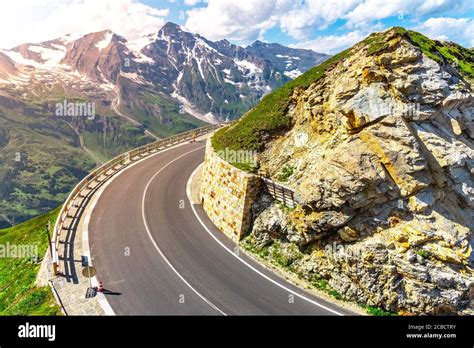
(108, 292)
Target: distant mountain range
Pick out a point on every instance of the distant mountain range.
(212, 80)
(164, 83)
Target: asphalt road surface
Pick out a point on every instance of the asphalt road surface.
(156, 257)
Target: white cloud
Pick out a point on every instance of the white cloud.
(192, 2)
(370, 10)
(314, 14)
(460, 30)
(33, 21)
(246, 20)
(332, 44)
(237, 20)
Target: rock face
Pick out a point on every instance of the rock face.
(382, 156)
(99, 56)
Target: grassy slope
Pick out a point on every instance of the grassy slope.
(269, 117)
(18, 293)
(40, 155)
(39, 164)
(446, 52)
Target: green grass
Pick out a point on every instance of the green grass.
(378, 312)
(286, 172)
(445, 52)
(18, 293)
(375, 43)
(40, 162)
(423, 253)
(162, 115)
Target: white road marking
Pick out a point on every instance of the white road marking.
(156, 245)
(101, 298)
(253, 268)
(106, 307)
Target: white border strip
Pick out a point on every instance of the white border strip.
(104, 303)
(253, 268)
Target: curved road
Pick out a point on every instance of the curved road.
(156, 257)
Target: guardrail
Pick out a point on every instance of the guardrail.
(279, 192)
(70, 208)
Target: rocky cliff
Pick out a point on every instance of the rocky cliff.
(379, 149)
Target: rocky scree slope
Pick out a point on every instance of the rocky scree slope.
(378, 145)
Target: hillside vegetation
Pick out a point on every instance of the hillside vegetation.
(18, 293)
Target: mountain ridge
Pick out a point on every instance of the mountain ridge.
(165, 57)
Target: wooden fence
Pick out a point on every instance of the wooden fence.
(280, 192)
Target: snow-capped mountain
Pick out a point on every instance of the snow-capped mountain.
(209, 80)
(293, 62)
(166, 82)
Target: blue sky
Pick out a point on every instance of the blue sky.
(323, 25)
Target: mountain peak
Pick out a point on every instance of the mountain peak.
(171, 27)
(258, 43)
(224, 41)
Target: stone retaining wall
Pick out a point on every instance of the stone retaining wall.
(227, 194)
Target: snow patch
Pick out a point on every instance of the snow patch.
(139, 44)
(189, 108)
(19, 59)
(105, 41)
(245, 65)
(230, 81)
(293, 74)
(50, 56)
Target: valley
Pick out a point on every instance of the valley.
(165, 83)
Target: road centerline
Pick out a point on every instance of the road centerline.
(213, 306)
